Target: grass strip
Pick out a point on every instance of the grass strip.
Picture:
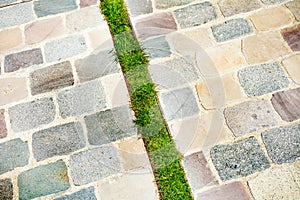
(164, 157)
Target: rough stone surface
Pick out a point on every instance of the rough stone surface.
(50, 7)
(16, 15)
(262, 79)
(84, 194)
(271, 18)
(287, 104)
(291, 65)
(264, 47)
(250, 116)
(32, 114)
(14, 153)
(162, 4)
(233, 7)
(6, 189)
(50, 78)
(232, 29)
(278, 184)
(96, 65)
(292, 37)
(110, 125)
(157, 47)
(58, 140)
(155, 25)
(82, 99)
(43, 180)
(178, 104)
(7, 2)
(36, 31)
(85, 3)
(283, 144)
(273, 2)
(139, 7)
(232, 191)
(10, 38)
(64, 48)
(198, 172)
(240, 159)
(23, 59)
(196, 14)
(12, 89)
(94, 164)
(294, 6)
(3, 130)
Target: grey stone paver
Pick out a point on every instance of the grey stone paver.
(82, 99)
(7, 2)
(272, 2)
(196, 14)
(50, 7)
(6, 189)
(84, 194)
(14, 153)
(58, 140)
(231, 29)
(94, 164)
(240, 159)
(283, 144)
(16, 15)
(66, 47)
(262, 79)
(32, 114)
(161, 4)
(3, 129)
(250, 116)
(110, 125)
(52, 77)
(233, 7)
(43, 180)
(24, 59)
(140, 7)
(157, 47)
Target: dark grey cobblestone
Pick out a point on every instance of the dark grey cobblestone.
(6, 189)
(84, 194)
(50, 7)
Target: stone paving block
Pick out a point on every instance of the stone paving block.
(198, 172)
(10, 38)
(65, 47)
(12, 89)
(32, 114)
(283, 143)
(195, 15)
(264, 47)
(14, 153)
(84, 98)
(239, 159)
(163, 4)
(43, 180)
(3, 130)
(291, 65)
(277, 184)
(110, 125)
(83, 19)
(139, 7)
(8, 2)
(50, 7)
(16, 15)
(6, 189)
(292, 37)
(232, 29)
(58, 140)
(273, 2)
(287, 104)
(23, 59)
(178, 104)
(232, 191)
(173, 73)
(85, 3)
(101, 43)
(250, 116)
(262, 79)
(96, 65)
(50, 78)
(233, 7)
(294, 7)
(94, 164)
(268, 19)
(36, 31)
(84, 194)
(200, 36)
(155, 25)
(157, 47)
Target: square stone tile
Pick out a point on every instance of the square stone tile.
(163, 4)
(51, 7)
(292, 37)
(12, 89)
(10, 38)
(157, 47)
(291, 66)
(6, 189)
(139, 7)
(233, 7)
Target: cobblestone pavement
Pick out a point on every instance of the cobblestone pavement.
(228, 77)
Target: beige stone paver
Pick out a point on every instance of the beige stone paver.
(291, 64)
(10, 38)
(12, 89)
